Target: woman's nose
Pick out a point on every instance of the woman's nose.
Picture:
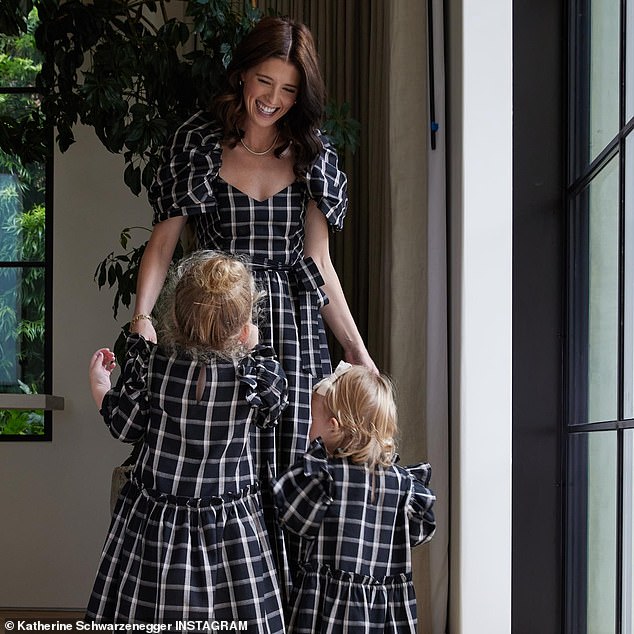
(273, 95)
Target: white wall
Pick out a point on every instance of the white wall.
(55, 496)
(480, 134)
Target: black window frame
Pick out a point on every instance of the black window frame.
(576, 428)
(47, 265)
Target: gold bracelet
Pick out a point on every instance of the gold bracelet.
(139, 317)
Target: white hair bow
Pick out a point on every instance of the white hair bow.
(323, 387)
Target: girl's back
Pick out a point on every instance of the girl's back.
(366, 530)
(196, 442)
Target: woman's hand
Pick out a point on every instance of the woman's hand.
(360, 357)
(101, 366)
(145, 328)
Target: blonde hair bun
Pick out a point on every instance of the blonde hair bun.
(210, 299)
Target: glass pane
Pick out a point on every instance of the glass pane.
(592, 532)
(21, 329)
(595, 299)
(15, 422)
(22, 211)
(628, 333)
(20, 61)
(604, 74)
(629, 62)
(628, 532)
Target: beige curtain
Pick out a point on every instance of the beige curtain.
(391, 254)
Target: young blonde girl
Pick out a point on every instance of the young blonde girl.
(358, 512)
(187, 539)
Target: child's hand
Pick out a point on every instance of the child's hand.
(101, 366)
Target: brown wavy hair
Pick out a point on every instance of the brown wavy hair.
(292, 42)
(208, 300)
(363, 403)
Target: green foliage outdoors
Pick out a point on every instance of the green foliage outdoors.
(22, 227)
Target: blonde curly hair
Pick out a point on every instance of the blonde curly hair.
(363, 404)
(207, 301)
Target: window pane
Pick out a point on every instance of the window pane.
(628, 332)
(21, 329)
(604, 74)
(22, 213)
(20, 61)
(16, 422)
(595, 299)
(629, 62)
(628, 532)
(592, 532)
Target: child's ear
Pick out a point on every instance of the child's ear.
(334, 423)
(243, 337)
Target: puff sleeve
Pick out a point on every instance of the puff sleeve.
(303, 493)
(422, 523)
(328, 185)
(126, 407)
(267, 387)
(184, 183)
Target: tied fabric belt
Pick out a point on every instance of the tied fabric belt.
(311, 298)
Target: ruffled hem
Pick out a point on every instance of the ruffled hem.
(330, 600)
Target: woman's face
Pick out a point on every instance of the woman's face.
(270, 90)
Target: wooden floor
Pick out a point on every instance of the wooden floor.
(43, 616)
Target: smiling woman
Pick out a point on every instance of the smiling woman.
(256, 177)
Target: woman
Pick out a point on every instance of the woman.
(257, 178)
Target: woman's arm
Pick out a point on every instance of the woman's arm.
(336, 313)
(153, 269)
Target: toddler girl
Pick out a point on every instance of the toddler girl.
(187, 539)
(358, 512)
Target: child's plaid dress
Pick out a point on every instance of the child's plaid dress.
(271, 234)
(359, 526)
(187, 539)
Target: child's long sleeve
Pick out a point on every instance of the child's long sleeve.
(125, 407)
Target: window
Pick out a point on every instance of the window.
(600, 357)
(25, 251)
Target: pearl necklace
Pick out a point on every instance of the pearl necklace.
(248, 149)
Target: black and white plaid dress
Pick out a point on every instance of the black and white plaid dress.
(187, 539)
(359, 527)
(271, 234)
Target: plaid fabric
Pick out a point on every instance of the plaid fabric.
(358, 528)
(187, 538)
(271, 234)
